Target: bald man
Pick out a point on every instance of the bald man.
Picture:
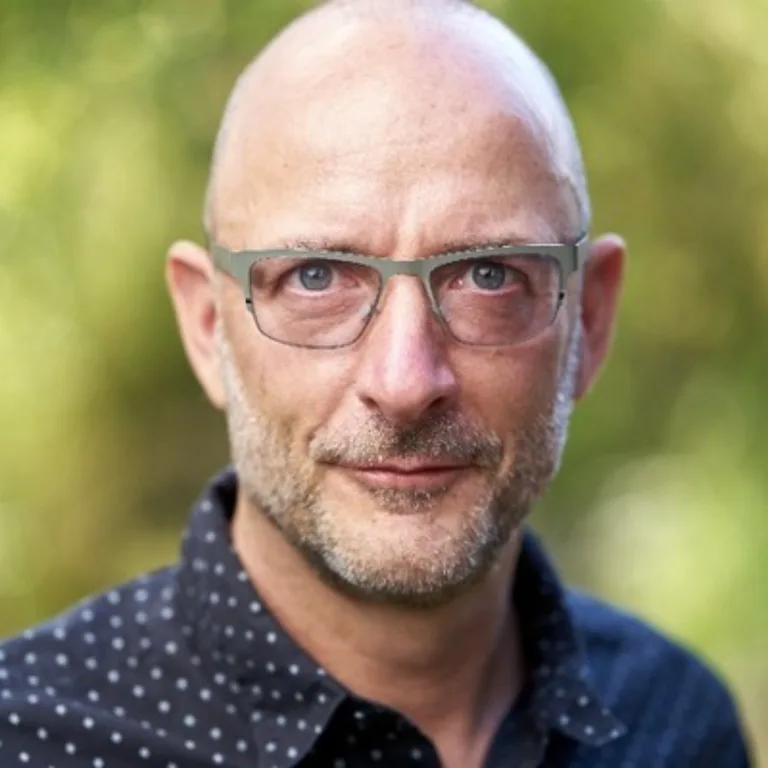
(398, 305)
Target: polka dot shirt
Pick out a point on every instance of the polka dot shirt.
(185, 668)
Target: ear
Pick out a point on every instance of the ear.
(189, 276)
(603, 273)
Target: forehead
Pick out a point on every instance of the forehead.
(414, 139)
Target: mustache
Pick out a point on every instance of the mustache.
(440, 438)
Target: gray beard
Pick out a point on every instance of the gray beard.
(281, 486)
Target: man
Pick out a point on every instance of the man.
(398, 305)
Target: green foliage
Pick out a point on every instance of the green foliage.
(107, 116)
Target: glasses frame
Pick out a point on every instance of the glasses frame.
(238, 264)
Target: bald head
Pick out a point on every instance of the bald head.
(444, 66)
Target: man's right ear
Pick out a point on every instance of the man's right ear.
(190, 278)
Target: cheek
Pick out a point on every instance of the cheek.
(508, 389)
(296, 389)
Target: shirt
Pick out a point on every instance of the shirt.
(185, 667)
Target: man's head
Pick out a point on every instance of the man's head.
(400, 130)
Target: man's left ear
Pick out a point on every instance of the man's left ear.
(603, 273)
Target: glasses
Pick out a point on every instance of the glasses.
(498, 296)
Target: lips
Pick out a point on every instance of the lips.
(406, 467)
(412, 475)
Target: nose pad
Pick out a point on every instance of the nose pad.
(367, 313)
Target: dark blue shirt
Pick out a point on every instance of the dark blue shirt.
(186, 668)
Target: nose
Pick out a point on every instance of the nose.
(404, 371)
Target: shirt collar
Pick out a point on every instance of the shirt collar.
(237, 643)
(562, 698)
(232, 633)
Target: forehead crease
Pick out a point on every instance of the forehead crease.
(390, 210)
(337, 137)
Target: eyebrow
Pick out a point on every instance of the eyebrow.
(447, 246)
(320, 245)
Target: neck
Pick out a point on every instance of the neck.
(452, 670)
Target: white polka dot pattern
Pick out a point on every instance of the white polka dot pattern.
(185, 668)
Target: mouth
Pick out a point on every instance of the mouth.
(413, 476)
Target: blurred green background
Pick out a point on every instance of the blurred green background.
(108, 110)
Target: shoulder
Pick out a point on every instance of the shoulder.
(614, 638)
(67, 686)
(655, 684)
(98, 639)
(111, 623)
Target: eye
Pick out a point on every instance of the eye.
(489, 275)
(315, 276)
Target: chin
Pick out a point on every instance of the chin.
(396, 583)
(413, 558)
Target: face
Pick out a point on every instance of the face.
(400, 466)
